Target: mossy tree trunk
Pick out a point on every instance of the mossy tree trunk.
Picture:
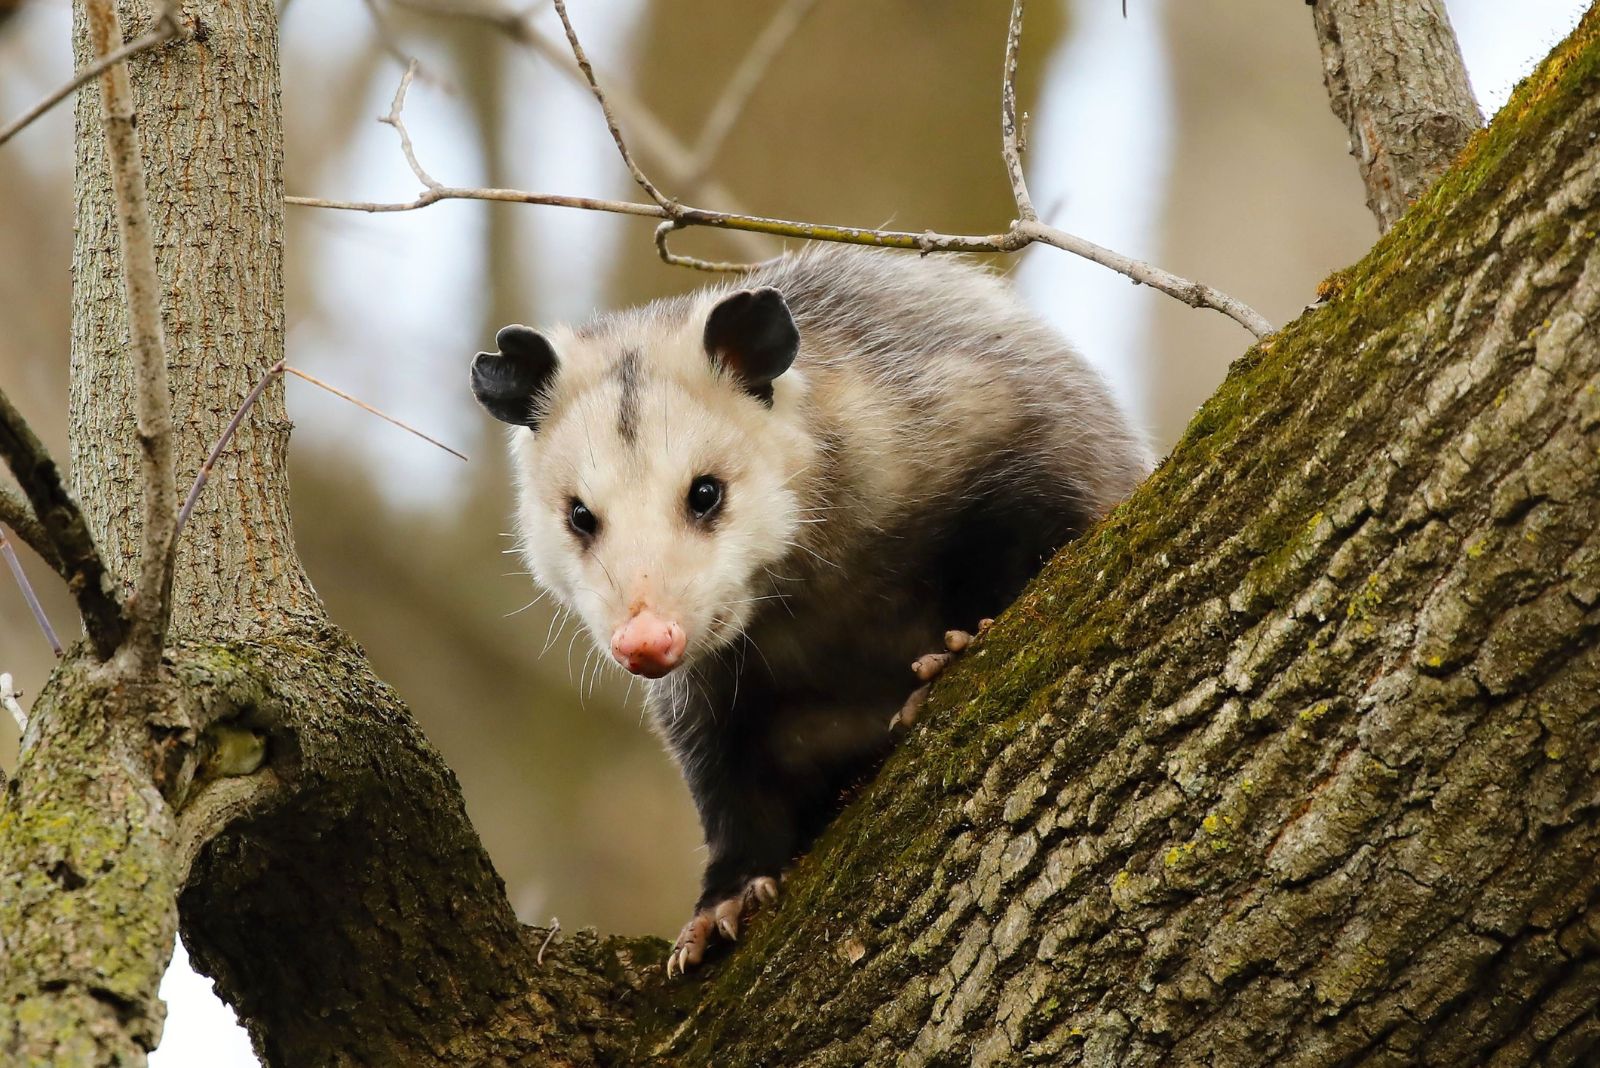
(1293, 760)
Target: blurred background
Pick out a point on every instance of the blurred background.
(1194, 135)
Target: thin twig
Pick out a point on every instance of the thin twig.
(201, 476)
(393, 119)
(27, 592)
(693, 262)
(555, 926)
(150, 606)
(8, 701)
(164, 30)
(1195, 294)
(1023, 232)
(752, 70)
(16, 514)
(667, 204)
(364, 406)
(90, 584)
(1010, 147)
(655, 139)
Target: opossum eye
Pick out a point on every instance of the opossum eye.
(585, 522)
(705, 496)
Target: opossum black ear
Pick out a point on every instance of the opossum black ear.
(508, 382)
(753, 335)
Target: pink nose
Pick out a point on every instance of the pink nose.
(648, 645)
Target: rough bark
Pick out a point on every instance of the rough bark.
(1396, 79)
(1293, 760)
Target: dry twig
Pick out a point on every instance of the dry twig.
(166, 28)
(364, 406)
(203, 475)
(667, 203)
(653, 136)
(27, 592)
(1010, 146)
(1023, 231)
(150, 606)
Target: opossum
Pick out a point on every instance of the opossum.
(768, 497)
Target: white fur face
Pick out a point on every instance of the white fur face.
(632, 420)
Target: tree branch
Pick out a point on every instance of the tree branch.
(1022, 233)
(1396, 79)
(167, 28)
(15, 513)
(92, 587)
(150, 605)
(666, 202)
(1010, 138)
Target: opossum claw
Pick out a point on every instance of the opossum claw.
(690, 948)
(928, 667)
(912, 708)
(724, 918)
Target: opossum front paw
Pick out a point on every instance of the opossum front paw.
(929, 667)
(722, 918)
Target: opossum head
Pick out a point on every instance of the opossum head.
(655, 454)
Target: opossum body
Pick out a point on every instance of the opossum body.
(770, 498)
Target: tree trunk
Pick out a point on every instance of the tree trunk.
(1396, 79)
(1291, 761)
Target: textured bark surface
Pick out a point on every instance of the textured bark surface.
(1291, 761)
(1396, 80)
(211, 129)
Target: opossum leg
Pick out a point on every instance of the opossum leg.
(722, 918)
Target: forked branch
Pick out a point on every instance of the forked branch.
(1024, 231)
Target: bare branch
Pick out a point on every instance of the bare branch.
(364, 406)
(167, 28)
(27, 592)
(1010, 146)
(150, 605)
(90, 584)
(676, 216)
(1194, 294)
(393, 119)
(677, 260)
(15, 513)
(746, 78)
(667, 204)
(646, 130)
(202, 475)
(1396, 79)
